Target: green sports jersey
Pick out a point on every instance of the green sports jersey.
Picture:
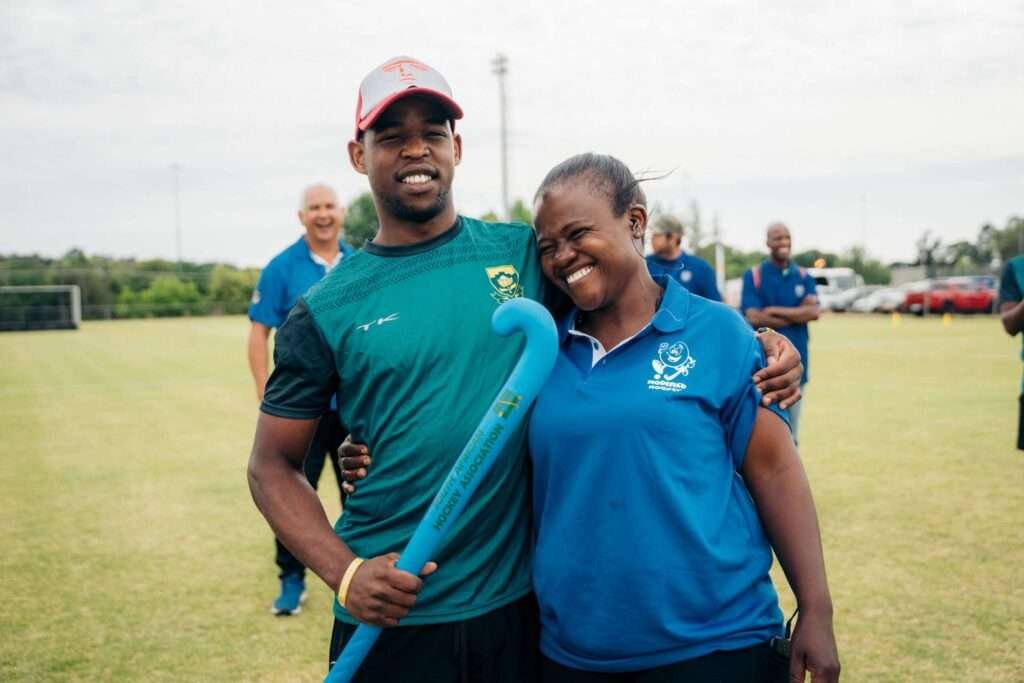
(402, 336)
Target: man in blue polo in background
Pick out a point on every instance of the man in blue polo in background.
(669, 259)
(1011, 312)
(780, 295)
(281, 283)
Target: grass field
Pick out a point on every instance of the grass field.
(132, 551)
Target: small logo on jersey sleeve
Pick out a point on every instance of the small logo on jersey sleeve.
(505, 281)
(799, 290)
(255, 297)
(673, 360)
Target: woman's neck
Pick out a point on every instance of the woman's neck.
(624, 317)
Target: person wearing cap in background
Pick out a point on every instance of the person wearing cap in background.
(281, 283)
(779, 295)
(689, 270)
(401, 336)
(1011, 312)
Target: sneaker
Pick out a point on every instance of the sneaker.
(293, 594)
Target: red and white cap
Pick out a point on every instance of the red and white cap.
(397, 78)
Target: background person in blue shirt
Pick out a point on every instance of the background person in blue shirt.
(281, 283)
(1011, 312)
(668, 258)
(660, 573)
(782, 296)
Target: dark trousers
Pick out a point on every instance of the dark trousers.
(497, 647)
(758, 664)
(329, 435)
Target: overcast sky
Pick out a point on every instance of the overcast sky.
(866, 123)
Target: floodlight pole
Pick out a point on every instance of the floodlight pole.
(719, 255)
(176, 183)
(499, 67)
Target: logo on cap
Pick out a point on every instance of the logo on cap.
(405, 69)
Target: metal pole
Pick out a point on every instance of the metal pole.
(500, 67)
(175, 173)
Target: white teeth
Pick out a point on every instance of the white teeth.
(579, 274)
(416, 179)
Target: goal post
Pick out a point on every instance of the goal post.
(40, 307)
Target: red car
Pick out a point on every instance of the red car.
(952, 295)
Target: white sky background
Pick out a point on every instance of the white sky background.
(863, 123)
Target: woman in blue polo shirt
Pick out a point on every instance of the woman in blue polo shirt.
(660, 484)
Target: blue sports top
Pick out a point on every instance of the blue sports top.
(690, 271)
(649, 549)
(285, 279)
(778, 287)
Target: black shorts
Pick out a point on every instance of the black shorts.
(757, 664)
(498, 647)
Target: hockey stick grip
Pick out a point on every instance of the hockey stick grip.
(501, 420)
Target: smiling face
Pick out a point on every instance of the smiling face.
(409, 156)
(321, 215)
(585, 250)
(779, 242)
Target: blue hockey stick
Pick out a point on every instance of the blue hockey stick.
(502, 419)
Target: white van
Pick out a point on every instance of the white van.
(833, 284)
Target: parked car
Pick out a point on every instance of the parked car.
(881, 300)
(951, 295)
(833, 284)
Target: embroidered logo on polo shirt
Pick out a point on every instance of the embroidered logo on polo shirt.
(799, 290)
(505, 281)
(673, 360)
(686, 276)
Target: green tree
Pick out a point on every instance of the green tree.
(165, 296)
(872, 270)
(361, 222)
(520, 213)
(231, 289)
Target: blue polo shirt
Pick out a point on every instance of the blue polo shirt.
(782, 287)
(691, 272)
(285, 279)
(649, 549)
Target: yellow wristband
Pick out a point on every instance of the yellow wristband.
(346, 580)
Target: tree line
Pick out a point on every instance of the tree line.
(130, 288)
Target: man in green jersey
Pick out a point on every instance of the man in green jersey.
(1011, 311)
(401, 336)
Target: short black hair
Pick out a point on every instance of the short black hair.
(606, 174)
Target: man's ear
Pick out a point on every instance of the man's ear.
(457, 141)
(357, 155)
(637, 215)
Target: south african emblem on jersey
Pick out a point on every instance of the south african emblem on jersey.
(673, 360)
(505, 281)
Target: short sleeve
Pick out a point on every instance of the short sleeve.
(305, 378)
(750, 297)
(739, 411)
(268, 306)
(1009, 285)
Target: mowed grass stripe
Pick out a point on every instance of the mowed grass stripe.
(134, 553)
